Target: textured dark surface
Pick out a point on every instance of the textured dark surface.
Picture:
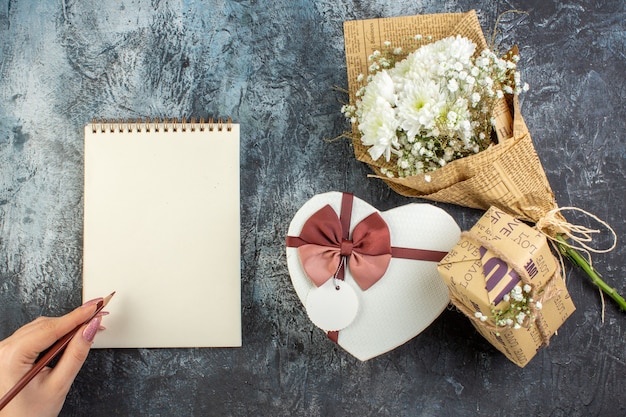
(273, 67)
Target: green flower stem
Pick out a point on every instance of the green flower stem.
(577, 259)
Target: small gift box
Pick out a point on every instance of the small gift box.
(369, 278)
(503, 276)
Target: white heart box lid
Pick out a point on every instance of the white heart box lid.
(409, 296)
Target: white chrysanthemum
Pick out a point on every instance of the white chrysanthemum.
(378, 127)
(419, 105)
(381, 85)
(462, 49)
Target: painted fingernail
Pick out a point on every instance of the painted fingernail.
(92, 302)
(92, 328)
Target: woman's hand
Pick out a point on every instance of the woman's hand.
(45, 394)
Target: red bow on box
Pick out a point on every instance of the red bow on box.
(324, 240)
(322, 245)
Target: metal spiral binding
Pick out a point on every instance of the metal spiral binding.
(157, 125)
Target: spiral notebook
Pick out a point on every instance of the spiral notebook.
(161, 228)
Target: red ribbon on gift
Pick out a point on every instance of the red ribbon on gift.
(324, 245)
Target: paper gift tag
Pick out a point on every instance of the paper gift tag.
(404, 300)
(333, 306)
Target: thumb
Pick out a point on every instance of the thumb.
(63, 374)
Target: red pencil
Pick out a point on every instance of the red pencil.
(51, 354)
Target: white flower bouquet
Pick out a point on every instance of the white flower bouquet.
(424, 109)
(435, 114)
(433, 106)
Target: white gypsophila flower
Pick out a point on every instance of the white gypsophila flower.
(526, 288)
(478, 314)
(453, 85)
(538, 305)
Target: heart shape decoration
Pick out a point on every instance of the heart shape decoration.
(369, 278)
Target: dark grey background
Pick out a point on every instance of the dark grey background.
(274, 66)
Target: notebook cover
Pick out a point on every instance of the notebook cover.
(161, 228)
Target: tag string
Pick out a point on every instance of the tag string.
(336, 276)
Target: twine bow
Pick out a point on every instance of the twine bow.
(561, 233)
(579, 234)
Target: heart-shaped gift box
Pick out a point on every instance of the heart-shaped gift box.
(369, 278)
